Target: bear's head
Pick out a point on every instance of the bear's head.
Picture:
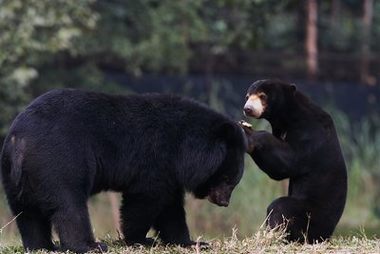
(220, 193)
(219, 186)
(267, 98)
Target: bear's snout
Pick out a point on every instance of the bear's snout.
(254, 107)
(248, 111)
(221, 195)
(218, 200)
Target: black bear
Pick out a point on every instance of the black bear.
(69, 144)
(303, 147)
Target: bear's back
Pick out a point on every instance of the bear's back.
(84, 113)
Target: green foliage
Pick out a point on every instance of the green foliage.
(162, 35)
(59, 43)
(34, 26)
(31, 32)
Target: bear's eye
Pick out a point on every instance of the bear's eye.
(262, 96)
(246, 97)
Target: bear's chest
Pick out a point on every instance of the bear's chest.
(298, 140)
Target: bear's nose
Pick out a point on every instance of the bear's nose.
(248, 111)
(224, 203)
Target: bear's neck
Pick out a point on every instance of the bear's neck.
(279, 127)
(289, 117)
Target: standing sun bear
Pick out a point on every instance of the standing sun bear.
(69, 144)
(303, 147)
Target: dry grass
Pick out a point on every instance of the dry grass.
(264, 241)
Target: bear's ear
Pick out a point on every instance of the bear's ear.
(293, 88)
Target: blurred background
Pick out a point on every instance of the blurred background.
(211, 51)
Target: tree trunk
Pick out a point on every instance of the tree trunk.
(365, 76)
(311, 39)
(335, 12)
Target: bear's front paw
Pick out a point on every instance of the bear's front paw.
(99, 246)
(92, 247)
(201, 245)
(249, 133)
(147, 242)
(247, 127)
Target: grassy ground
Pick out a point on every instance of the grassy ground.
(262, 242)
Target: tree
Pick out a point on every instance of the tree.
(31, 31)
(365, 76)
(311, 44)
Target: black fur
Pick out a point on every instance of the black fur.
(68, 145)
(304, 148)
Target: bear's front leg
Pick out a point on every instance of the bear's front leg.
(138, 214)
(274, 156)
(171, 224)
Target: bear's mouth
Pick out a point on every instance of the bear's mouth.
(219, 202)
(220, 195)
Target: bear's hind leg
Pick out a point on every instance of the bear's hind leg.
(72, 223)
(171, 224)
(292, 213)
(35, 230)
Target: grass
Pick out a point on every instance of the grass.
(263, 241)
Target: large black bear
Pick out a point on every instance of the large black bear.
(304, 148)
(69, 144)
